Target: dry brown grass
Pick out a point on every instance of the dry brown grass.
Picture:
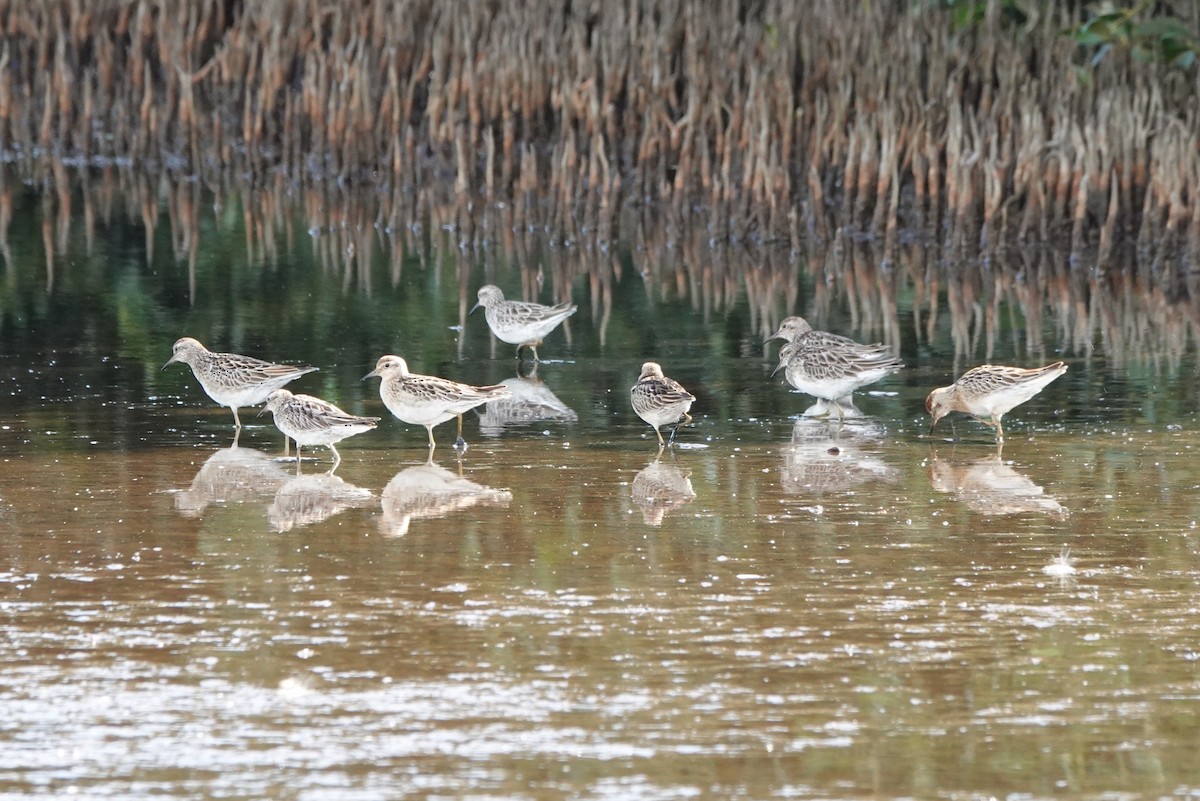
(776, 120)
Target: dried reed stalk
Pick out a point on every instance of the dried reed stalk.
(741, 113)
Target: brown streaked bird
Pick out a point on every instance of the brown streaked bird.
(990, 391)
(312, 421)
(660, 400)
(830, 367)
(519, 323)
(233, 380)
(427, 400)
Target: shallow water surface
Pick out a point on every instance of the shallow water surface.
(815, 611)
(776, 606)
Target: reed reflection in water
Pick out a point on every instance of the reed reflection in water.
(956, 304)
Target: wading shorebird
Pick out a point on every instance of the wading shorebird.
(519, 323)
(660, 400)
(830, 367)
(233, 380)
(312, 421)
(427, 400)
(990, 391)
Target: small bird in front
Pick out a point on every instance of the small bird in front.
(231, 379)
(519, 323)
(990, 391)
(312, 421)
(660, 400)
(428, 400)
(830, 367)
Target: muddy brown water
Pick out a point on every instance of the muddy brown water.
(775, 607)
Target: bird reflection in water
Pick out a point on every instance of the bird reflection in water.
(231, 475)
(991, 486)
(429, 491)
(828, 409)
(529, 401)
(307, 499)
(832, 456)
(660, 487)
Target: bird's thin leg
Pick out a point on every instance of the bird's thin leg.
(661, 442)
(337, 458)
(429, 430)
(994, 422)
(297, 458)
(532, 374)
(287, 446)
(237, 421)
(460, 443)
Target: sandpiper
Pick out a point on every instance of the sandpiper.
(990, 391)
(427, 400)
(518, 323)
(312, 421)
(660, 400)
(232, 380)
(828, 366)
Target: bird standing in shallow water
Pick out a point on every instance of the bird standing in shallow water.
(427, 400)
(232, 380)
(660, 400)
(519, 323)
(312, 421)
(828, 366)
(990, 391)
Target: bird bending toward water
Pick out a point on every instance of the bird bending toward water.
(428, 400)
(312, 421)
(830, 367)
(519, 323)
(232, 380)
(990, 391)
(660, 400)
